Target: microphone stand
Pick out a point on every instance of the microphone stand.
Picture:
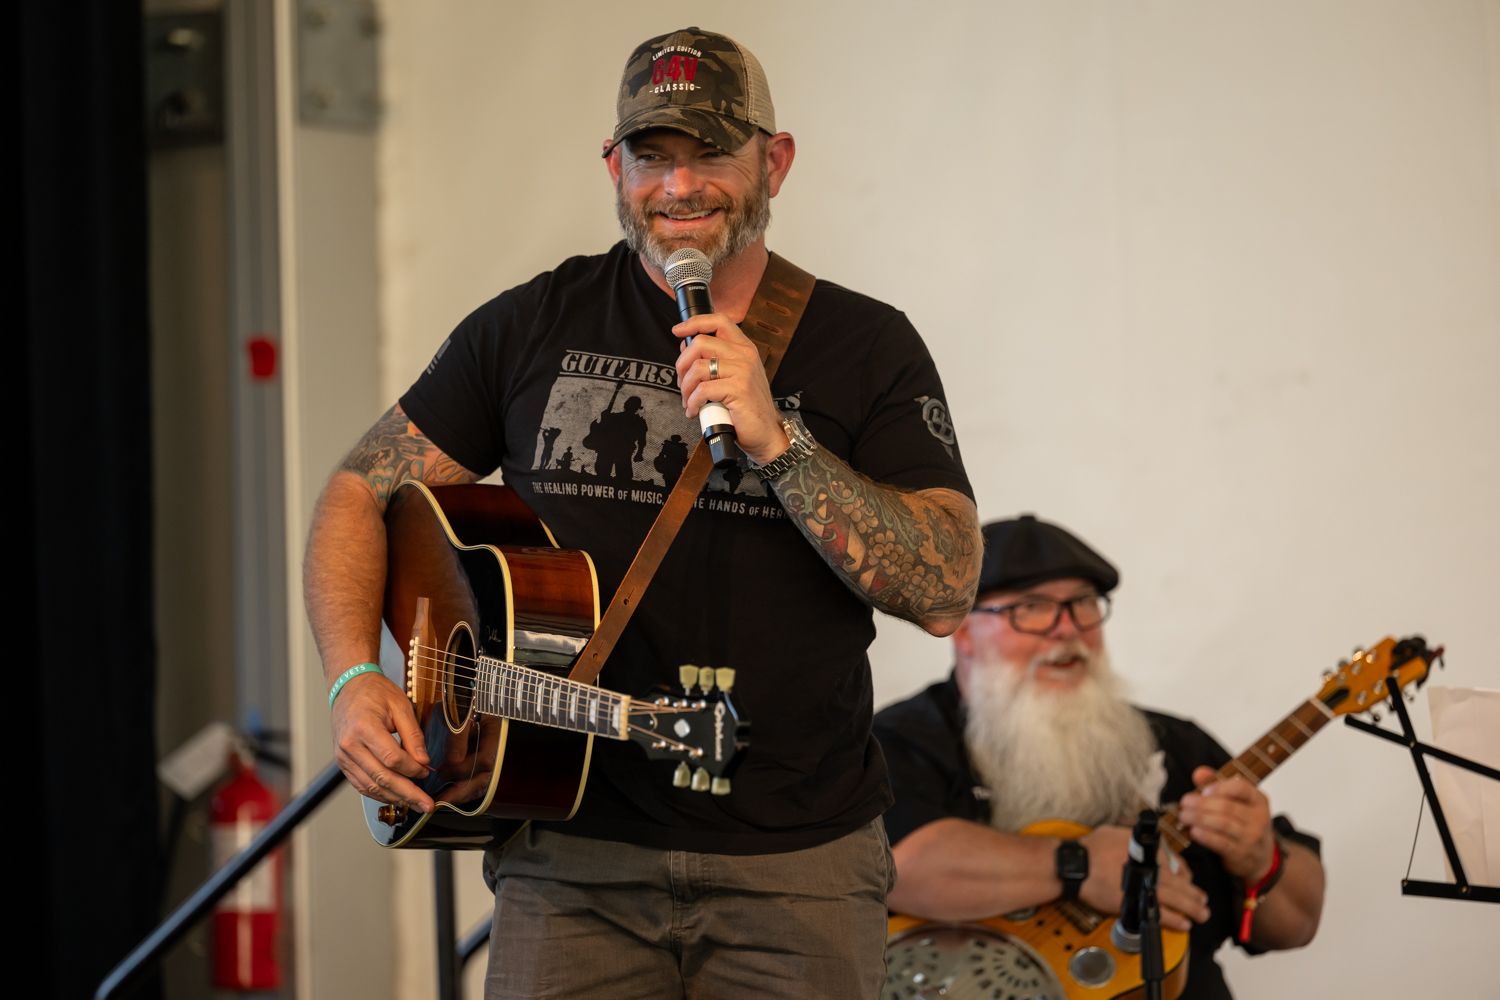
(1138, 929)
(1153, 969)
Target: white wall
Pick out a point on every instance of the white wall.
(1216, 285)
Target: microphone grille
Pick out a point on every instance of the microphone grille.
(688, 265)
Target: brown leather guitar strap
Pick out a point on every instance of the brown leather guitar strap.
(772, 318)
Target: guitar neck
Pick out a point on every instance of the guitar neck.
(510, 691)
(1256, 764)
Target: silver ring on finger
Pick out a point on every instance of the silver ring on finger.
(713, 368)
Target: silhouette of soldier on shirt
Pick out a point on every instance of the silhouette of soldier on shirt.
(549, 438)
(614, 436)
(671, 459)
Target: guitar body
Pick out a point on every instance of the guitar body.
(471, 571)
(1069, 938)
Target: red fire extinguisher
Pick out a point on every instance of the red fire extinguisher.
(246, 920)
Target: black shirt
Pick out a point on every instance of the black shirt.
(566, 383)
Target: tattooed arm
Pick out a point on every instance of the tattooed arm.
(914, 555)
(343, 577)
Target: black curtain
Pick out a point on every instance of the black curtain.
(86, 400)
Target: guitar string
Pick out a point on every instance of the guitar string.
(1168, 815)
(674, 744)
(439, 655)
(436, 655)
(1180, 840)
(638, 706)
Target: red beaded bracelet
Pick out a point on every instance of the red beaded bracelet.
(1254, 894)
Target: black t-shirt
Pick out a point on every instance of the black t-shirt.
(566, 383)
(923, 741)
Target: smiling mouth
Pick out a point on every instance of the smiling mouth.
(1063, 664)
(687, 217)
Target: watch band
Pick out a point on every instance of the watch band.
(1072, 868)
(801, 447)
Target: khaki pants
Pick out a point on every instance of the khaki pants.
(578, 919)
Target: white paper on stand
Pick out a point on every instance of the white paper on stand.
(1466, 722)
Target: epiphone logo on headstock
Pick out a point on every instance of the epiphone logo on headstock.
(719, 731)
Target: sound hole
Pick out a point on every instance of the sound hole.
(458, 677)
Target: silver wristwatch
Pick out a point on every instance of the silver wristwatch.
(801, 449)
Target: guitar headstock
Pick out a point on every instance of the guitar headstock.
(1363, 680)
(699, 727)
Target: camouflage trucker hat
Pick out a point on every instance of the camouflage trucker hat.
(698, 82)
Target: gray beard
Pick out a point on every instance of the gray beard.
(744, 224)
(1083, 755)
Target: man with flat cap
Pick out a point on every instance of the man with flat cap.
(1031, 726)
(853, 497)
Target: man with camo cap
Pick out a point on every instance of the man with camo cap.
(854, 498)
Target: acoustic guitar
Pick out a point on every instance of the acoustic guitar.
(1063, 949)
(494, 614)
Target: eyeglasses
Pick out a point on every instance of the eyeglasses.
(1040, 615)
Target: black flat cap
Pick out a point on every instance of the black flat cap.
(1023, 551)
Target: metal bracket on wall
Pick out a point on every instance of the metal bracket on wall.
(338, 63)
(184, 57)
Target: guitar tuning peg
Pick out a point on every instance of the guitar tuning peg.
(1327, 674)
(701, 780)
(682, 777)
(706, 679)
(720, 786)
(687, 674)
(726, 679)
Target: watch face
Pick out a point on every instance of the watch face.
(1072, 861)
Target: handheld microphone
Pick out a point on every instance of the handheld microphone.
(688, 271)
(1140, 871)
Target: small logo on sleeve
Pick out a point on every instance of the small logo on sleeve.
(939, 424)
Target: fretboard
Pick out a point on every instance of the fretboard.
(1255, 764)
(515, 692)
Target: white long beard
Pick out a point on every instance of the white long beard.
(1083, 755)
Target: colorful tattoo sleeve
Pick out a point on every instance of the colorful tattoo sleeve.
(912, 555)
(394, 450)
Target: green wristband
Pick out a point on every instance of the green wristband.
(349, 675)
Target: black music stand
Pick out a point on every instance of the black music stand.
(1460, 887)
